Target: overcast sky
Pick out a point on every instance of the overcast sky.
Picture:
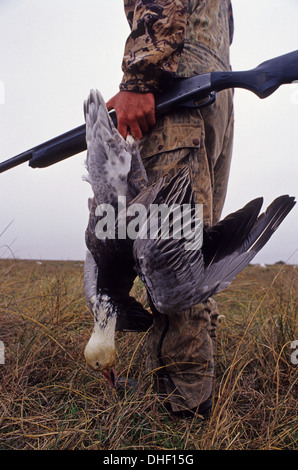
(53, 53)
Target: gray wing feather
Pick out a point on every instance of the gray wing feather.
(170, 272)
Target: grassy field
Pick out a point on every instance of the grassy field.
(50, 400)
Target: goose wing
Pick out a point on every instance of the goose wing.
(177, 278)
(170, 269)
(228, 250)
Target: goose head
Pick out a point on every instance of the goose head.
(100, 350)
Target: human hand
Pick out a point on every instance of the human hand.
(135, 112)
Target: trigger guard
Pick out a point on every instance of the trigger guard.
(201, 103)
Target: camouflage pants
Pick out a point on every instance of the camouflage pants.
(180, 346)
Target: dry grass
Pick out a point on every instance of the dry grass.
(50, 400)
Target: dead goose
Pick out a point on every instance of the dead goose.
(175, 278)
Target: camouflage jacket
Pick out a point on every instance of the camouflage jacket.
(174, 38)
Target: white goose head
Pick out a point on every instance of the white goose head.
(100, 350)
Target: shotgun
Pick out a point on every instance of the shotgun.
(196, 91)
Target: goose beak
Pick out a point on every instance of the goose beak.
(111, 377)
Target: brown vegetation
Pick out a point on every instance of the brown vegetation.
(50, 400)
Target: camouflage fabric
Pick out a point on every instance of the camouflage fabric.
(209, 27)
(181, 355)
(202, 139)
(168, 39)
(155, 44)
(180, 347)
(174, 38)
